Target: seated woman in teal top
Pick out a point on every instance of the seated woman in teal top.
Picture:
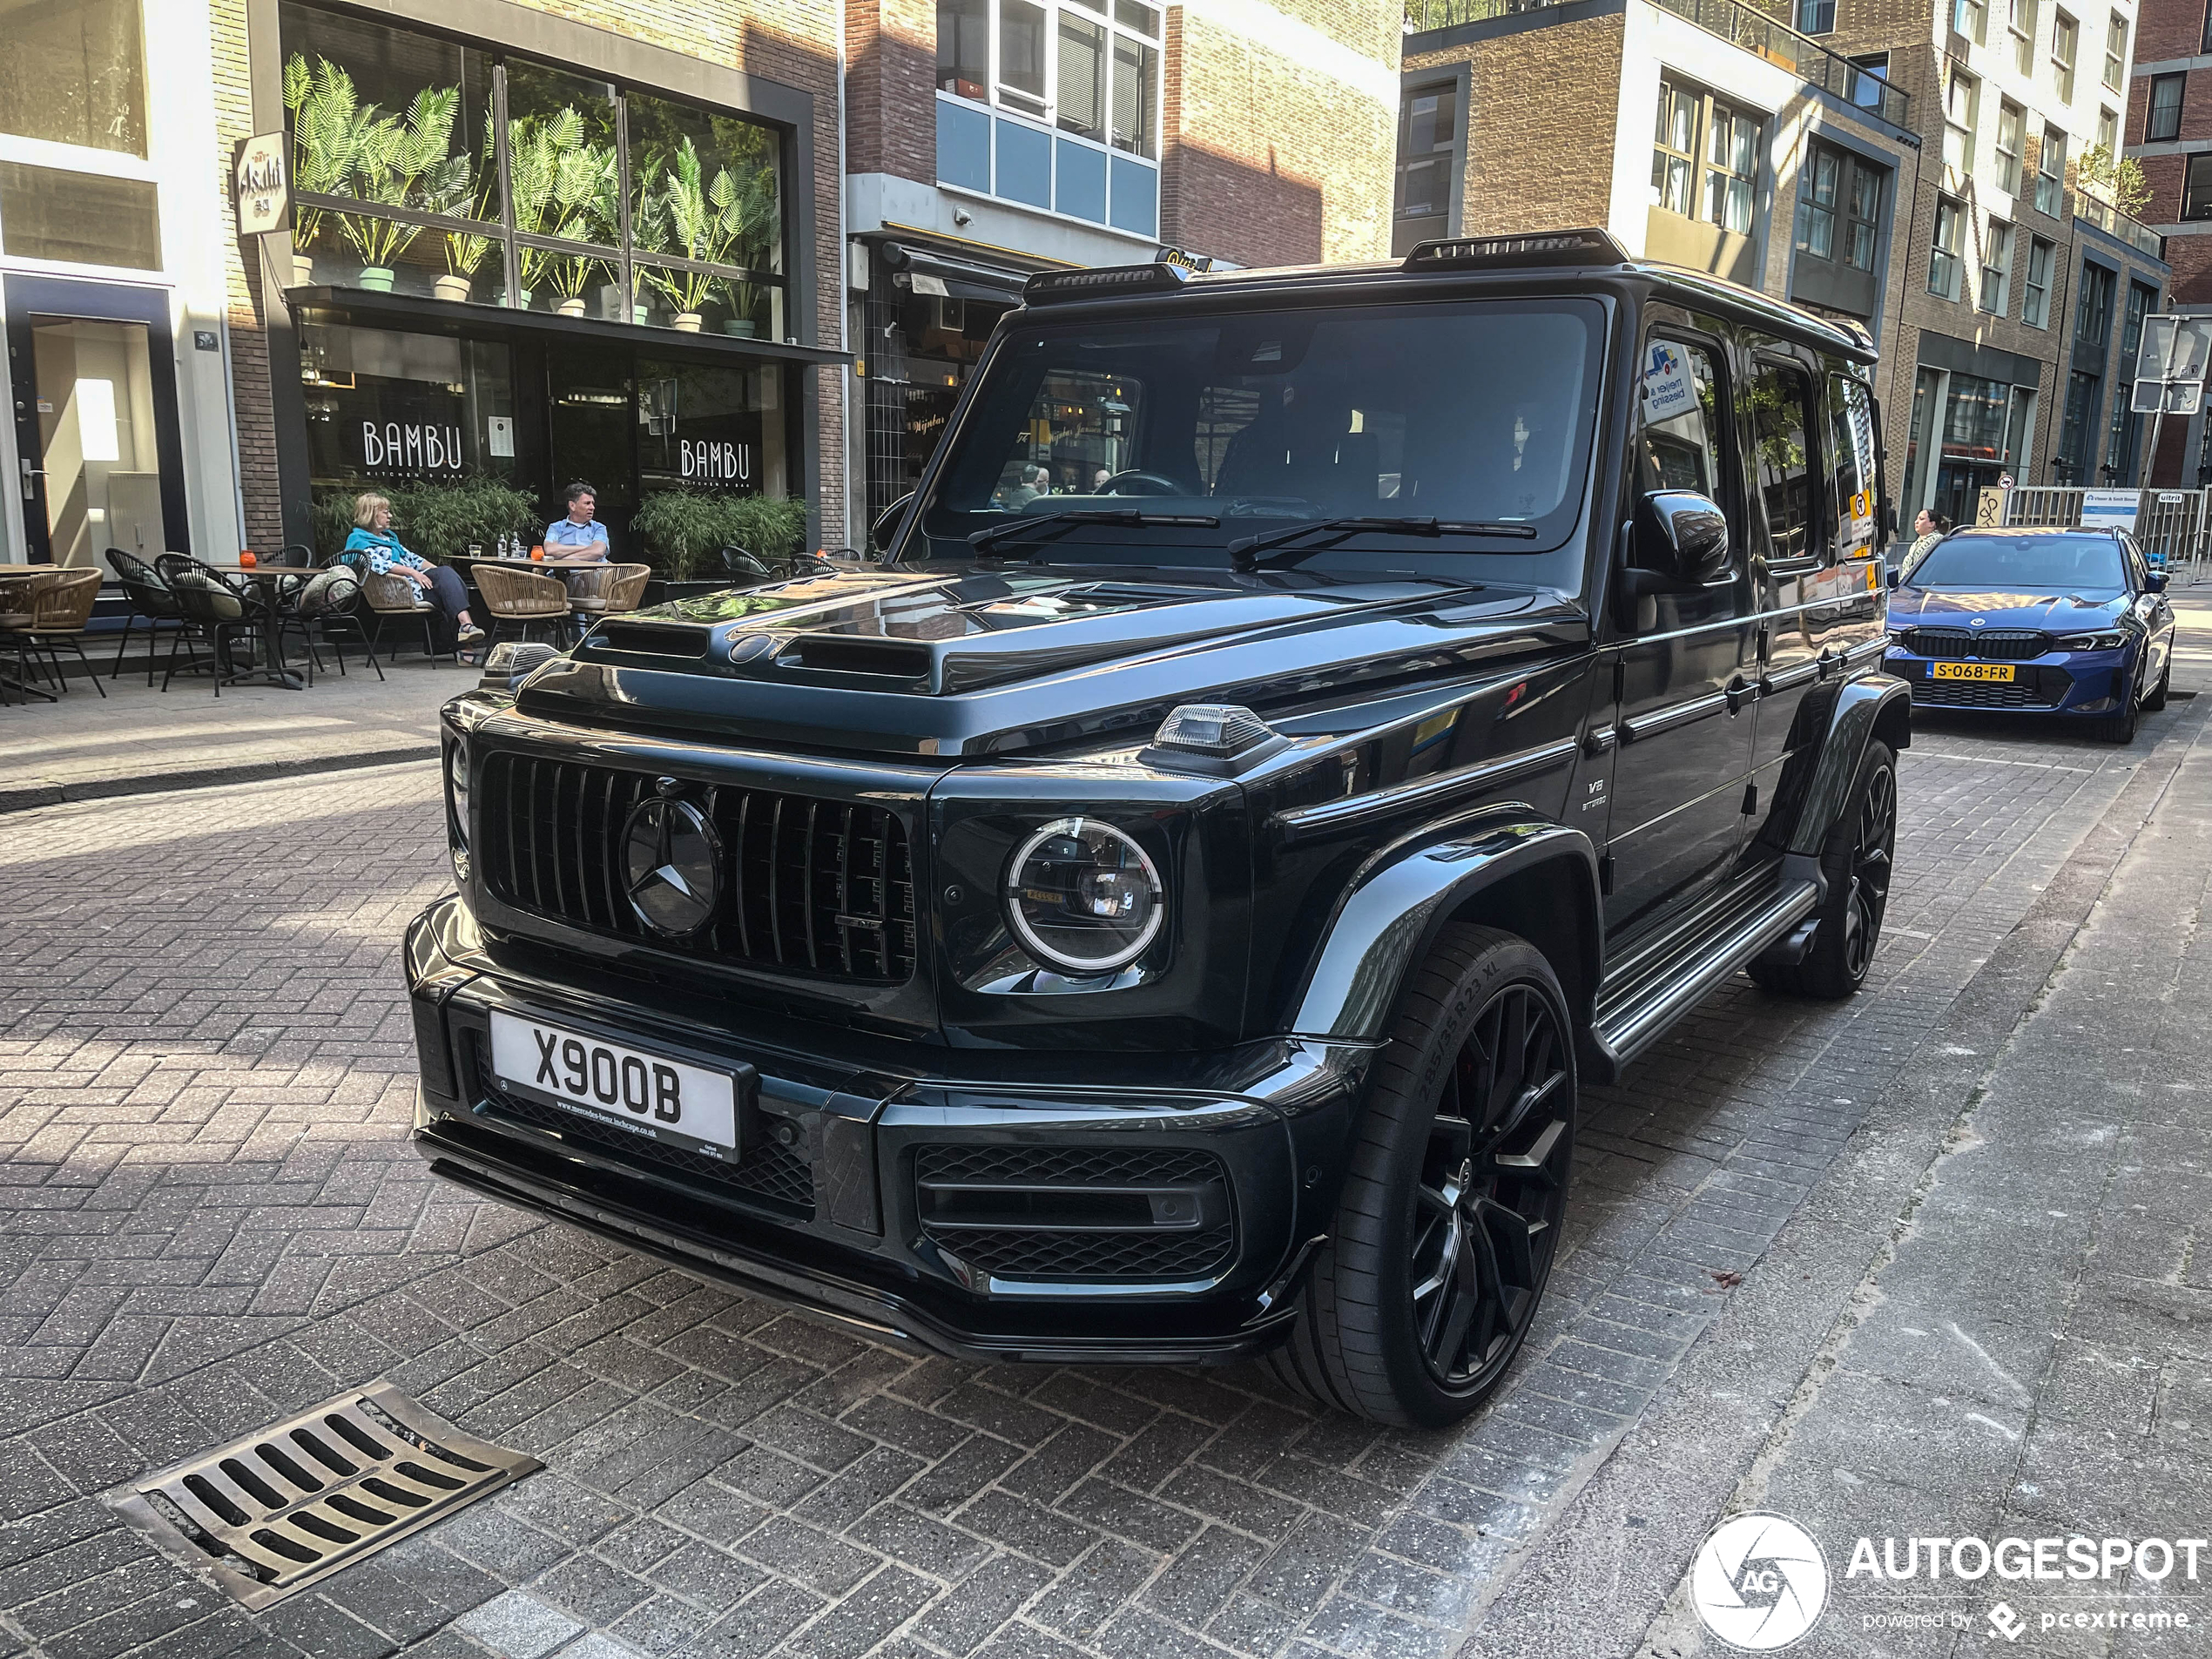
(373, 535)
(579, 535)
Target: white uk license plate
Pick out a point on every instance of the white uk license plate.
(645, 1092)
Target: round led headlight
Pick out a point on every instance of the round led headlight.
(1084, 897)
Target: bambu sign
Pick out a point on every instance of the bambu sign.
(392, 447)
(260, 192)
(706, 461)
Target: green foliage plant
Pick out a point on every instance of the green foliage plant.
(436, 520)
(682, 530)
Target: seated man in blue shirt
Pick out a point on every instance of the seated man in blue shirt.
(579, 535)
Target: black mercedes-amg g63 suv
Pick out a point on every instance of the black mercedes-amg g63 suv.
(1304, 725)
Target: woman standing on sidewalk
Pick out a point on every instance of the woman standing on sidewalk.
(372, 536)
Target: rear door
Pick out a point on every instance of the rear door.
(1684, 662)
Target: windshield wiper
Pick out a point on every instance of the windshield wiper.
(1024, 528)
(1244, 553)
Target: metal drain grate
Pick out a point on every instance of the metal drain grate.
(276, 1511)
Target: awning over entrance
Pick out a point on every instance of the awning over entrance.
(961, 279)
(421, 316)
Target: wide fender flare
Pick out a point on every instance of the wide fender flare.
(1391, 917)
(1873, 704)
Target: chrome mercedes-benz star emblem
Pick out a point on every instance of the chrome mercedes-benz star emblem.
(671, 865)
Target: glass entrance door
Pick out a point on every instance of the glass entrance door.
(94, 391)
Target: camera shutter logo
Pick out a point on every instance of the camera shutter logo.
(671, 865)
(1758, 1581)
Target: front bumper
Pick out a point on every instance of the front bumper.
(827, 1207)
(2086, 683)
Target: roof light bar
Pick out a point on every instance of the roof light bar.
(1547, 248)
(1050, 287)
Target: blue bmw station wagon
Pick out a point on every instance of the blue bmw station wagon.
(2068, 622)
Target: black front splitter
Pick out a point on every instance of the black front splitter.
(880, 1315)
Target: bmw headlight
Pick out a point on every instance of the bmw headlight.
(1084, 897)
(2111, 639)
(457, 764)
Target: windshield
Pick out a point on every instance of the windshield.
(1468, 412)
(2069, 564)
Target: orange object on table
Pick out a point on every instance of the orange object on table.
(247, 560)
(537, 553)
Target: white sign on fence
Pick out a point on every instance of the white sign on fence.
(2110, 508)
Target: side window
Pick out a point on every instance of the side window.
(1850, 450)
(1781, 410)
(1681, 444)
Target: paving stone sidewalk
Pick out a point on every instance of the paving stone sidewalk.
(213, 1219)
(138, 739)
(2030, 1354)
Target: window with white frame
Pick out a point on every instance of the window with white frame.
(1731, 168)
(2066, 40)
(1674, 150)
(2050, 172)
(1996, 268)
(2116, 51)
(1089, 69)
(1961, 93)
(1970, 18)
(2108, 134)
(2010, 118)
(1943, 256)
(2022, 27)
(2035, 294)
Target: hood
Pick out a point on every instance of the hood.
(2058, 613)
(965, 661)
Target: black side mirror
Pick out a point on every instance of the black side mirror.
(2155, 582)
(1893, 575)
(1683, 535)
(886, 522)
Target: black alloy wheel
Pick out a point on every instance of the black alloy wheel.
(1858, 860)
(1492, 1191)
(1454, 1192)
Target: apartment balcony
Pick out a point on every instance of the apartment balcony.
(1731, 20)
(2114, 223)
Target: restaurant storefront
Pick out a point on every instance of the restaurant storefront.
(501, 271)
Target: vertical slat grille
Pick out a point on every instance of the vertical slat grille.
(811, 885)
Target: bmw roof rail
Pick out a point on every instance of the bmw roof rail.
(1050, 287)
(1590, 247)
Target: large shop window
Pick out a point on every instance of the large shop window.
(74, 73)
(624, 206)
(1053, 104)
(385, 407)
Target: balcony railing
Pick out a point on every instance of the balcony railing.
(2113, 222)
(1739, 24)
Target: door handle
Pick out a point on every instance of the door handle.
(1740, 691)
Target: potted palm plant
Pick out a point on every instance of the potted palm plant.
(534, 148)
(458, 195)
(586, 187)
(703, 223)
(396, 157)
(326, 136)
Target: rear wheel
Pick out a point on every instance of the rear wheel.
(1449, 1219)
(1855, 860)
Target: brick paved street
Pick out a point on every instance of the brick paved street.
(214, 1218)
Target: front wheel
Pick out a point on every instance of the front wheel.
(2156, 700)
(1856, 861)
(1449, 1219)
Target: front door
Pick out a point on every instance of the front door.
(1686, 664)
(94, 389)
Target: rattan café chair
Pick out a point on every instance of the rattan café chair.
(521, 601)
(394, 597)
(61, 607)
(605, 590)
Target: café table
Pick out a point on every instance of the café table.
(269, 577)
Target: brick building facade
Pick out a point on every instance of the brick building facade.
(1876, 163)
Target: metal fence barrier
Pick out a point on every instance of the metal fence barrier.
(2171, 524)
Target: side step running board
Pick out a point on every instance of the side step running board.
(1624, 1033)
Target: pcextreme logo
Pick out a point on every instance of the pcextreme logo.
(1758, 1581)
